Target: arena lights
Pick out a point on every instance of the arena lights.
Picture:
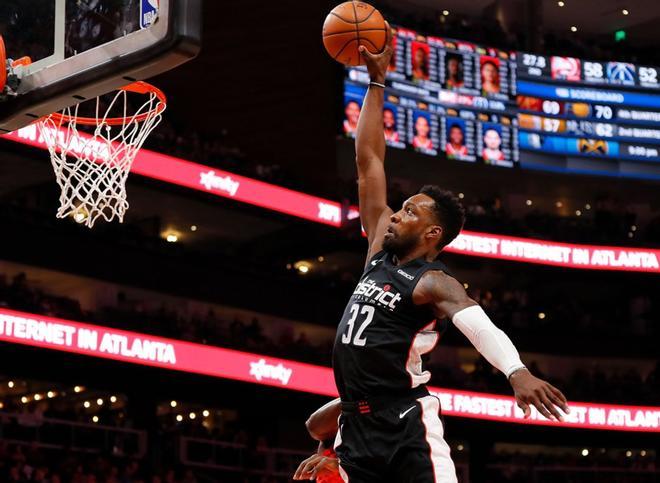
(135, 348)
(179, 418)
(445, 12)
(192, 415)
(206, 413)
(95, 419)
(587, 206)
(50, 394)
(193, 227)
(78, 389)
(99, 402)
(171, 238)
(37, 397)
(529, 202)
(113, 399)
(625, 11)
(2, 405)
(574, 28)
(10, 384)
(173, 404)
(87, 404)
(585, 452)
(24, 399)
(560, 3)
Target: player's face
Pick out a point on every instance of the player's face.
(452, 67)
(456, 136)
(492, 139)
(419, 57)
(352, 112)
(388, 119)
(422, 127)
(409, 225)
(489, 73)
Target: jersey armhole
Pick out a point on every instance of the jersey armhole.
(435, 266)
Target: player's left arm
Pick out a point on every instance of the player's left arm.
(449, 300)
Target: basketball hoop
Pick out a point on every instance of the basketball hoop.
(92, 165)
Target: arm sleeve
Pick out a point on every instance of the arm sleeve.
(490, 341)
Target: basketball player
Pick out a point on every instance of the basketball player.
(389, 427)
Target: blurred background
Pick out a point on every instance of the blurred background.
(267, 271)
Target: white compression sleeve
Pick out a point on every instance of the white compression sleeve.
(490, 341)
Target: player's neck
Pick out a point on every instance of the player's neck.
(421, 252)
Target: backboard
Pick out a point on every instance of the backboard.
(81, 49)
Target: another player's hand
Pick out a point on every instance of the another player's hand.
(377, 63)
(314, 465)
(530, 390)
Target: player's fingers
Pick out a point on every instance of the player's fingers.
(525, 408)
(547, 402)
(365, 52)
(556, 400)
(541, 408)
(299, 474)
(561, 397)
(389, 34)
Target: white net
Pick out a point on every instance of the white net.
(92, 165)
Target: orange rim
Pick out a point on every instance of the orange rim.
(3, 65)
(138, 87)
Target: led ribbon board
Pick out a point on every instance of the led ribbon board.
(228, 185)
(135, 348)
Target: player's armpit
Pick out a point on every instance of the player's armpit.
(322, 424)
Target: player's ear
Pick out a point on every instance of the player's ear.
(434, 232)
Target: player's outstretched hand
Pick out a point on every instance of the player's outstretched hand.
(314, 465)
(377, 63)
(530, 390)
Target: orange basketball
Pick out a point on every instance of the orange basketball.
(350, 25)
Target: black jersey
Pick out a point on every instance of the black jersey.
(382, 335)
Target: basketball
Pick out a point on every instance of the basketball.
(350, 25)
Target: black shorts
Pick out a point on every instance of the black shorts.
(402, 443)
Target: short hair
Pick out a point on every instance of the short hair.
(448, 210)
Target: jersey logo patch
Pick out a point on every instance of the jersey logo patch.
(407, 275)
(402, 415)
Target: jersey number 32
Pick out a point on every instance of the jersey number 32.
(368, 313)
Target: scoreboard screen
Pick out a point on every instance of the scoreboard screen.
(589, 116)
(457, 100)
(444, 98)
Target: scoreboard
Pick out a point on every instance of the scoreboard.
(578, 110)
(444, 98)
(457, 100)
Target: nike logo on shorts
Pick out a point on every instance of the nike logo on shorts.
(401, 415)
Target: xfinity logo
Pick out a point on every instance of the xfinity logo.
(381, 296)
(211, 181)
(407, 275)
(262, 370)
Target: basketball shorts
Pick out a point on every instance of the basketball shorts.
(402, 442)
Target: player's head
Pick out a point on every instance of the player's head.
(352, 112)
(389, 121)
(431, 218)
(492, 139)
(453, 67)
(422, 127)
(421, 61)
(489, 72)
(456, 135)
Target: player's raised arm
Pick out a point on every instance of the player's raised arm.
(449, 299)
(370, 148)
